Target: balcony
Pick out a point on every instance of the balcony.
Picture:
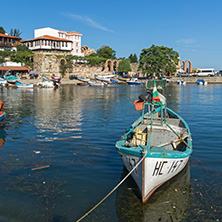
(6, 45)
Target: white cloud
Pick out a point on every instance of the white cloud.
(89, 22)
(186, 41)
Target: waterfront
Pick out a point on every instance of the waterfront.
(72, 132)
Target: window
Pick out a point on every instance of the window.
(77, 44)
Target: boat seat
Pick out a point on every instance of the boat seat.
(173, 121)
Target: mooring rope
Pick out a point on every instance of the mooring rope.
(144, 155)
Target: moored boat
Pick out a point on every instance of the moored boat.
(2, 113)
(3, 82)
(57, 79)
(100, 84)
(103, 78)
(201, 82)
(11, 78)
(82, 79)
(134, 81)
(181, 82)
(114, 81)
(157, 146)
(47, 83)
(24, 86)
(123, 78)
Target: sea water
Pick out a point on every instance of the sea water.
(58, 157)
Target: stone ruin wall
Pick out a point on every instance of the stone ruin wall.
(48, 64)
(134, 67)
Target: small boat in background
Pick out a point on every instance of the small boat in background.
(11, 78)
(134, 81)
(114, 81)
(103, 78)
(123, 78)
(181, 82)
(47, 83)
(82, 79)
(100, 84)
(3, 82)
(57, 79)
(2, 113)
(24, 86)
(201, 82)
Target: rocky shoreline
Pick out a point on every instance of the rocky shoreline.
(188, 80)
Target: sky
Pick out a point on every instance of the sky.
(193, 28)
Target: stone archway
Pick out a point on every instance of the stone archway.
(184, 66)
(112, 62)
(190, 66)
(62, 60)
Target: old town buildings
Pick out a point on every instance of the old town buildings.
(53, 40)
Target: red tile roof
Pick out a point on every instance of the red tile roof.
(14, 68)
(47, 37)
(73, 32)
(9, 36)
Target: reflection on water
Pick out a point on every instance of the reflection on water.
(2, 136)
(73, 131)
(168, 203)
(58, 115)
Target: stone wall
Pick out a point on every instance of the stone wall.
(48, 65)
(134, 67)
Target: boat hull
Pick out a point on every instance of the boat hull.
(2, 115)
(134, 83)
(152, 172)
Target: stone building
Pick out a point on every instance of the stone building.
(8, 42)
(72, 36)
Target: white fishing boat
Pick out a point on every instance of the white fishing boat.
(99, 84)
(157, 146)
(82, 79)
(47, 83)
(103, 78)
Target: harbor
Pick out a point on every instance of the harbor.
(189, 80)
(58, 155)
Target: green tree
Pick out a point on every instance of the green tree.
(2, 59)
(15, 32)
(124, 66)
(66, 65)
(158, 60)
(23, 48)
(2, 30)
(106, 52)
(133, 58)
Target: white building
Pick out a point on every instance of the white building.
(48, 43)
(73, 37)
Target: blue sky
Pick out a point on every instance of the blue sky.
(193, 28)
